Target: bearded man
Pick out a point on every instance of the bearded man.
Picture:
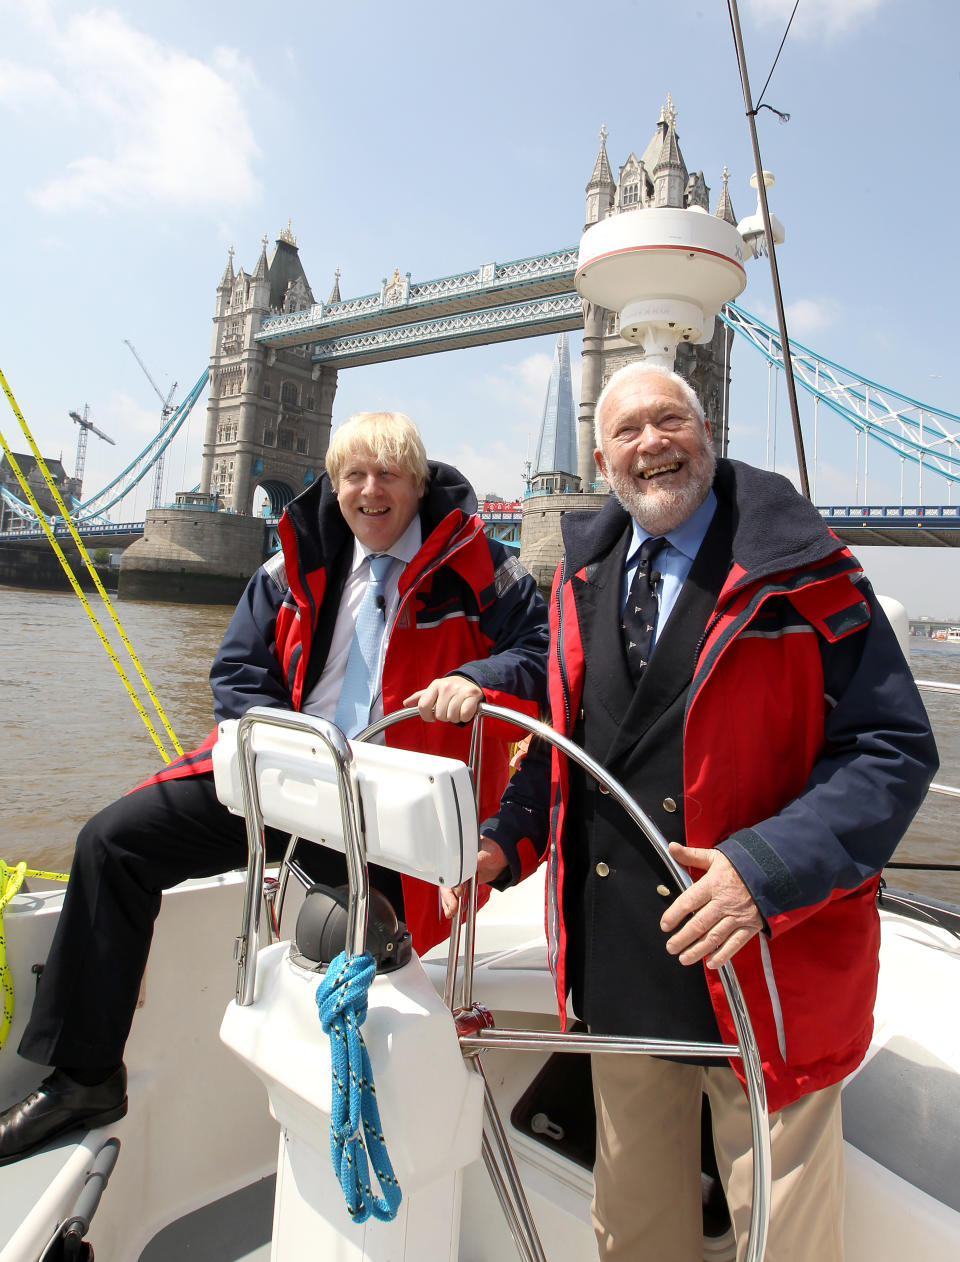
(717, 648)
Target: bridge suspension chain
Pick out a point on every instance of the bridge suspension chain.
(140, 466)
(926, 436)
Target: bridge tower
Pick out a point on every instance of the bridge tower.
(269, 410)
(268, 425)
(659, 177)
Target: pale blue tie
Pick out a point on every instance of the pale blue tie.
(357, 693)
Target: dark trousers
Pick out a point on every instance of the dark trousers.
(125, 857)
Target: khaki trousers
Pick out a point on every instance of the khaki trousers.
(647, 1204)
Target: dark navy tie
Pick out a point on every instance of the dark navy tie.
(357, 693)
(640, 611)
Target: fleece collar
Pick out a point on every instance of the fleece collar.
(321, 531)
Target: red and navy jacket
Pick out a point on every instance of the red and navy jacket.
(806, 753)
(466, 607)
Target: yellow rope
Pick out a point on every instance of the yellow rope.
(10, 881)
(48, 531)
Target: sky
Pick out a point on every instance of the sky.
(140, 142)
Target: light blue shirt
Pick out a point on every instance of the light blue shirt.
(325, 694)
(674, 559)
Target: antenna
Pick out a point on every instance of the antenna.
(165, 414)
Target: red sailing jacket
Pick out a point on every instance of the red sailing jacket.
(466, 606)
(804, 735)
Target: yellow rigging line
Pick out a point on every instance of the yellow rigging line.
(48, 531)
(10, 881)
(11, 878)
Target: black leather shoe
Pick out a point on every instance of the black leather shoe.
(59, 1105)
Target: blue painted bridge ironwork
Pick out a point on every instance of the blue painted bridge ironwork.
(495, 302)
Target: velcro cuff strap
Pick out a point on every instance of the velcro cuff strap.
(784, 890)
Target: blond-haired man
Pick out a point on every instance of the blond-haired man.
(463, 621)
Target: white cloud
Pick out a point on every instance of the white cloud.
(515, 396)
(806, 316)
(522, 386)
(830, 18)
(126, 418)
(169, 128)
(22, 86)
(494, 470)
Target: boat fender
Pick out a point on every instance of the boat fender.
(321, 932)
(897, 617)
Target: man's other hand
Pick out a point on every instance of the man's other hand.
(722, 914)
(490, 863)
(452, 699)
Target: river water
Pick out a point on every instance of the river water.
(72, 740)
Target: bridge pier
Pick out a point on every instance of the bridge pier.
(192, 556)
(37, 567)
(541, 544)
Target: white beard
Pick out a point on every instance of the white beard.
(661, 509)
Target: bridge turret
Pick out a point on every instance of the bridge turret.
(224, 297)
(601, 186)
(227, 280)
(260, 281)
(724, 208)
(670, 170)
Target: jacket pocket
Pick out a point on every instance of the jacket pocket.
(821, 978)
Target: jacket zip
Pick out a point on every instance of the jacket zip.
(561, 664)
(554, 917)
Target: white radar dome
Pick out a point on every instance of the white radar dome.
(667, 272)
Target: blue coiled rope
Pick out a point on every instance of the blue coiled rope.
(354, 1116)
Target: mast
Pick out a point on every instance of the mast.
(771, 251)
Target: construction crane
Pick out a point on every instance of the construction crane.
(165, 414)
(86, 427)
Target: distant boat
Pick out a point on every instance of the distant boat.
(953, 635)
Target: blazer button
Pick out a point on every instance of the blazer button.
(669, 805)
(603, 869)
(663, 891)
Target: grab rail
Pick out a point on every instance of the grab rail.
(245, 947)
(746, 1046)
(474, 1032)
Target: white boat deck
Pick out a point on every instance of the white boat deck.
(195, 1174)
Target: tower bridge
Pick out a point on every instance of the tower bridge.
(277, 352)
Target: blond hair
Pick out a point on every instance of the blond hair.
(389, 437)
